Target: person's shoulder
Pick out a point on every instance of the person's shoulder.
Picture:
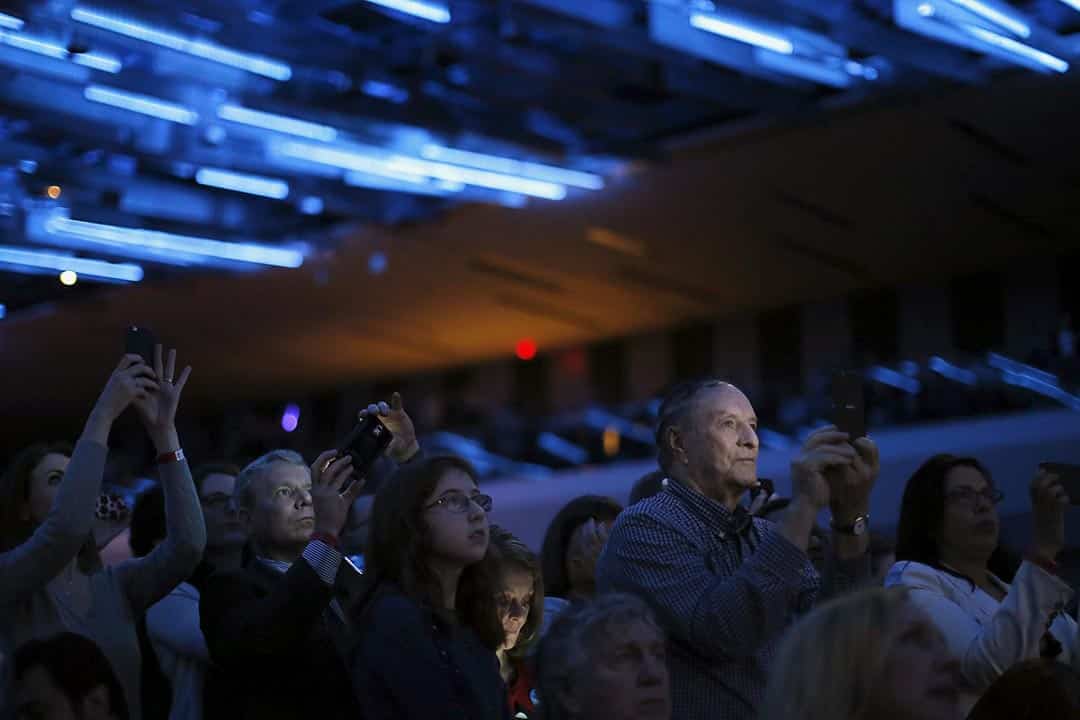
(659, 509)
(390, 607)
(908, 573)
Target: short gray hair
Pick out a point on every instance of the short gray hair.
(674, 409)
(566, 654)
(245, 481)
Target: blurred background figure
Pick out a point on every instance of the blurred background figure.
(66, 677)
(573, 543)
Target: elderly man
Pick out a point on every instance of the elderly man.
(272, 627)
(725, 585)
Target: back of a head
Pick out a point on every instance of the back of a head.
(1031, 690)
(76, 666)
(826, 666)
(148, 524)
(557, 538)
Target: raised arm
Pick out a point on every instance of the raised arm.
(147, 580)
(58, 538)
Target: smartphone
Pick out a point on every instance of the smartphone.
(364, 444)
(1068, 475)
(141, 341)
(848, 404)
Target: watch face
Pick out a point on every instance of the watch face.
(860, 526)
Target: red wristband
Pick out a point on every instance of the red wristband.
(327, 538)
(173, 456)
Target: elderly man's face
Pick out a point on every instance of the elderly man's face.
(282, 516)
(629, 680)
(719, 443)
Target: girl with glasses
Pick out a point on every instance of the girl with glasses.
(428, 635)
(993, 616)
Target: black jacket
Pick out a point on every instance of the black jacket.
(408, 664)
(272, 638)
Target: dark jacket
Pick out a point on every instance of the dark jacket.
(409, 664)
(272, 637)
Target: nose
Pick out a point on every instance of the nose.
(653, 670)
(516, 610)
(231, 507)
(305, 497)
(475, 511)
(748, 436)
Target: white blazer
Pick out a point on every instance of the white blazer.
(986, 636)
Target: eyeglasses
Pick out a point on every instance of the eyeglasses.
(457, 502)
(967, 496)
(216, 500)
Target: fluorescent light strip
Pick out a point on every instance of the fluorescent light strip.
(1045, 59)
(141, 104)
(1074, 4)
(11, 22)
(255, 64)
(537, 171)
(406, 184)
(243, 183)
(741, 33)
(277, 123)
(997, 17)
(385, 91)
(112, 235)
(423, 10)
(58, 52)
(400, 167)
(95, 269)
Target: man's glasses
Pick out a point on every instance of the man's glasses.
(457, 502)
(216, 501)
(967, 496)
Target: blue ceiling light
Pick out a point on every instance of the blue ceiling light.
(96, 61)
(385, 91)
(277, 123)
(34, 261)
(312, 205)
(1019, 49)
(411, 184)
(989, 11)
(185, 248)
(3, 311)
(509, 166)
(243, 183)
(141, 104)
(255, 64)
(742, 33)
(423, 10)
(1074, 4)
(11, 22)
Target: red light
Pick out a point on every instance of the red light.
(525, 349)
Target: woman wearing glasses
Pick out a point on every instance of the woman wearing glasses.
(429, 634)
(948, 557)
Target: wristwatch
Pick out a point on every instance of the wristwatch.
(858, 526)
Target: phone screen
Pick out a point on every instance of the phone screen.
(365, 443)
(1068, 475)
(141, 341)
(848, 404)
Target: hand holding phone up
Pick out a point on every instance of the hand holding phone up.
(404, 444)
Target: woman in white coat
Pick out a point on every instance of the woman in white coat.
(948, 557)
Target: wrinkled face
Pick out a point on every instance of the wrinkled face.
(514, 601)
(282, 516)
(222, 515)
(629, 677)
(44, 484)
(970, 523)
(920, 680)
(38, 697)
(719, 443)
(458, 538)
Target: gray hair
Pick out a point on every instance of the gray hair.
(245, 481)
(567, 653)
(673, 411)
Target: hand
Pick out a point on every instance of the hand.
(331, 506)
(158, 409)
(586, 544)
(825, 448)
(1048, 503)
(131, 380)
(850, 485)
(397, 421)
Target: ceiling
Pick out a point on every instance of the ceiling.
(732, 179)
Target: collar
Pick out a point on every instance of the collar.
(711, 513)
(278, 565)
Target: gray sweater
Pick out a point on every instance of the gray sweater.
(32, 605)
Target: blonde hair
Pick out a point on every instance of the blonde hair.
(828, 665)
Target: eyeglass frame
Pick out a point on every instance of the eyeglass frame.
(967, 495)
(484, 502)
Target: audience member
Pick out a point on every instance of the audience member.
(871, 655)
(54, 585)
(519, 600)
(947, 554)
(225, 534)
(66, 677)
(428, 635)
(604, 658)
(573, 543)
(725, 585)
(1032, 690)
(648, 485)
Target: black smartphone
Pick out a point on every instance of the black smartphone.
(364, 444)
(141, 341)
(848, 404)
(1068, 475)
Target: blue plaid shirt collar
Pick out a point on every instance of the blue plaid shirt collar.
(711, 513)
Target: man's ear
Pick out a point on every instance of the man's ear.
(673, 439)
(96, 706)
